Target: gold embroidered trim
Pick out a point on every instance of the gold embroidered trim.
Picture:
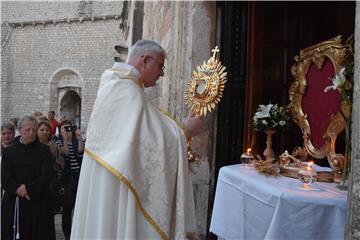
(131, 188)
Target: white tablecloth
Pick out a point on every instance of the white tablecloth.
(249, 205)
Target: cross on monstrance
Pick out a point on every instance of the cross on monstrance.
(215, 50)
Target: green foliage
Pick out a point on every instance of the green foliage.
(271, 116)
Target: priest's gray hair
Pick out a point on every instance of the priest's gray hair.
(27, 119)
(141, 47)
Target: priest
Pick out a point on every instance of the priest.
(134, 182)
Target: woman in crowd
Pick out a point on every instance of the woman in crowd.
(7, 135)
(26, 172)
(72, 147)
(45, 137)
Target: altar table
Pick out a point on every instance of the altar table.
(250, 205)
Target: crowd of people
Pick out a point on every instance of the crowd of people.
(40, 166)
(135, 181)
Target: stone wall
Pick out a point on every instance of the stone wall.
(187, 31)
(23, 11)
(353, 225)
(35, 56)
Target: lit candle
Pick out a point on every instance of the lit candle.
(309, 166)
(307, 175)
(246, 158)
(248, 151)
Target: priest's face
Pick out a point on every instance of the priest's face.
(153, 68)
(28, 132)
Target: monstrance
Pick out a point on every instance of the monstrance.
(205, 90)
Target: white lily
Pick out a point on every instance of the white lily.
(337, 81)
(264, 111)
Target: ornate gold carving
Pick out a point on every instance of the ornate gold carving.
(337, 53)
(206, 86)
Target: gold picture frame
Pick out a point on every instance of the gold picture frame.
(337, 52)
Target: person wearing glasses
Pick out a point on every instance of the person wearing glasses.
(135, 182)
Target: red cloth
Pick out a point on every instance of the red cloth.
(320, 106)
(54, 124)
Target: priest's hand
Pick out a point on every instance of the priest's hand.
(21, 192)
(193, 125)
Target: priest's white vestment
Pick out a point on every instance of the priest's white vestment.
(134, 181)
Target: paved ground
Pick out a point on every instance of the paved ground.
(58, 230)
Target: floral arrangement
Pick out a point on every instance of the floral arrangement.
(271, 116)
(343, 82)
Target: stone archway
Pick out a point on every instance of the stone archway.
(65, 87)
(70, 104)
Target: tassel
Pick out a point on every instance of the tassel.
(16, 220)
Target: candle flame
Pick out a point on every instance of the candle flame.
(248, 150)
(309, 165)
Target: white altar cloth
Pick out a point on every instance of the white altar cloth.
(249, 205)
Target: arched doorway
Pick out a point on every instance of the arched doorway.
(65, 95)
(70, 105)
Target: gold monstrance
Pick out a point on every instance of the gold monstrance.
(205, 90)
(206, 86)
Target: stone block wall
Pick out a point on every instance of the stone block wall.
(34, 54)
(23, 11)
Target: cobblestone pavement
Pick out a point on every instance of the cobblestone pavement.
(58, 229)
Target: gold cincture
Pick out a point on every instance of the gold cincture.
(206, 86)
(205, 90)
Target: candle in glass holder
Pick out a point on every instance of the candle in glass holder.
(247, 158)
(307, 174)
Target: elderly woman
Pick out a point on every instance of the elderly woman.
(26, 172)
(7, 135)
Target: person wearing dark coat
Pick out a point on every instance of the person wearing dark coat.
(26, 172)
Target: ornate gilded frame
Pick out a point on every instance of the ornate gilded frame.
(337, 52)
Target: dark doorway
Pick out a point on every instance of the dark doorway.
(70, 107)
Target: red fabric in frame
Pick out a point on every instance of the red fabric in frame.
(318, 105)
